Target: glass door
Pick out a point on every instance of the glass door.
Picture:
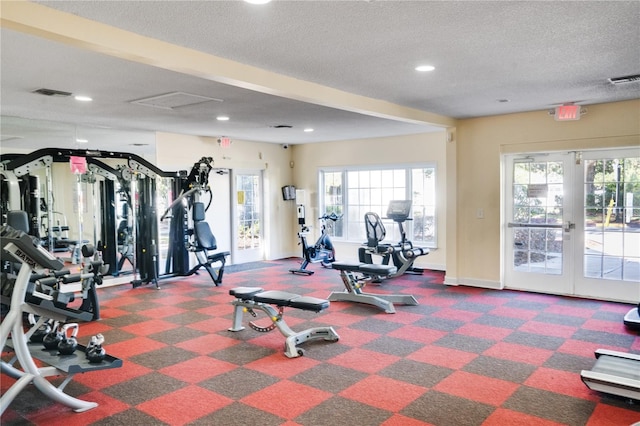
(538, 246)
(609, 259)
(573, 224)
(247, 233)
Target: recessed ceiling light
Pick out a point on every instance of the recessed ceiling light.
(82, 140)
(222, 118)
(83, 98)
(423, 68)
(257, 1)
(308, 130)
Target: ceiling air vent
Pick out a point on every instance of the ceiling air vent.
(52, 92)
(282, 126)
(625, 79)
(174, 100)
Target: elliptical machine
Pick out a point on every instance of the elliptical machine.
(322, 251)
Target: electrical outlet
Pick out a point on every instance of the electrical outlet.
(479, 213)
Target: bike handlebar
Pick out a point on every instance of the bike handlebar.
(331, 216)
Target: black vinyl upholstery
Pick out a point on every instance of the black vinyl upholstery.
(204, 237)
(204, 244)
(18, 219)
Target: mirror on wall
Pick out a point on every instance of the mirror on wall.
(25, 135)
(67, 206)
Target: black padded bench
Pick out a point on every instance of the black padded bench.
(250, 298)
(355, 276)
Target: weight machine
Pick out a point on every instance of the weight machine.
(187, 222)
(20, 247)
(138, 183)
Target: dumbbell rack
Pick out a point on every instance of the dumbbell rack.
(37, 259)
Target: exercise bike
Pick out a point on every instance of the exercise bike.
(322, 251)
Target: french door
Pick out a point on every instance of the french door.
(573, 223)
(248, 241)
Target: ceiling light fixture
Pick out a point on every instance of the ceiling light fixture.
(308, 130)
(257, 1)
(424, 68)
(222, 118)
(82, 98)
(82, 140)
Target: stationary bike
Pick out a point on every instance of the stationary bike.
(322, 251)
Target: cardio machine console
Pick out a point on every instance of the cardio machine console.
(399, 210)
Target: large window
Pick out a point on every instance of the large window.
(353, 192)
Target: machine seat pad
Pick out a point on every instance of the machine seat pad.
(346, 266)
(276, 297)
(377, 269)
(308, 303)
(245, 293)
(216, 257)
(280, 298)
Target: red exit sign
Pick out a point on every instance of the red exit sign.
(567, 112)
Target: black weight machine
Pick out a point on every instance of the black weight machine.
(188, 224)
(404, 253)
(136, 181)
(322, 251)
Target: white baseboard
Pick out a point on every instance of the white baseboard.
(449, 280)
(473, 282)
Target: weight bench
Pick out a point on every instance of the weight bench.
(355, 276)
(250, 298)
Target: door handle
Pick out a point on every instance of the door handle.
(568, 226)
(533, 225)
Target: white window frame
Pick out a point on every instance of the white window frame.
(352, 222)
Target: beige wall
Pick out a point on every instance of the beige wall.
(469, 171)
(479, 145)
(422, 148)
(180, 152)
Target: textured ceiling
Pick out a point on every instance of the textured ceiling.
(536, 55)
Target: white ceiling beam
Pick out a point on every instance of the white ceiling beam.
(86, 34)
